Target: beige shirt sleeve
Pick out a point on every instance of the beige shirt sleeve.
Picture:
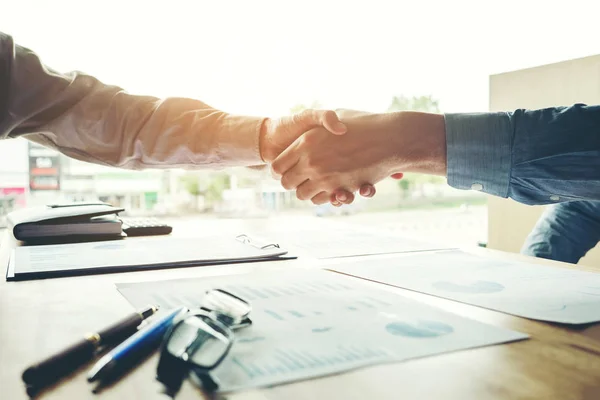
(88, 120)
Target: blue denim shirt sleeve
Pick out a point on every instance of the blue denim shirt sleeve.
(532, 156)
(565, 231)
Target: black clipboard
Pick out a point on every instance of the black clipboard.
(140, 254)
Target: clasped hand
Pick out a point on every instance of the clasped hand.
(325, 167)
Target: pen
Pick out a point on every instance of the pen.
(134, 348)
(68, 360)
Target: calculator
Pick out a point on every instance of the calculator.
(145, 226)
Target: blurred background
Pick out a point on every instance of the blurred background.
(271, 58)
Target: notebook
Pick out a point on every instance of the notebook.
(57, 222)
(104, 225)
(59, 260)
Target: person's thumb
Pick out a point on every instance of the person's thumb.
(328, 119)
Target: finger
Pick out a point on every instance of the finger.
(334, 201)
(344, 197)
(307, 190)
(398, 175)
(286, 160)
(292, 179)
(274, 174)
(332, 123)
(367, 190)
(321, 198)
(328, 119)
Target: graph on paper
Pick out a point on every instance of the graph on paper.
(313, 323)
(528, 290)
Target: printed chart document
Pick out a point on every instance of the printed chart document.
(34, 262)
(312, 323)
(527, 290)
(344, 241)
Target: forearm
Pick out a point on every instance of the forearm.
(121, 130)
(422, 141)
(88, 120)
(533, 156)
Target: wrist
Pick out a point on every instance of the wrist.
(264, 141)
(421, 141)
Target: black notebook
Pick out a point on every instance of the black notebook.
(65, 221)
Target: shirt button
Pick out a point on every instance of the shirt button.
(477, 186)
(554, 198)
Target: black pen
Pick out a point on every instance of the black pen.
(68, 360)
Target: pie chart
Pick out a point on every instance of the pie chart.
(419, 329)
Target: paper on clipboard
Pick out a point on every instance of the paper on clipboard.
(32, 262)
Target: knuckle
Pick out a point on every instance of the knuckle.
(285, 183)
(300, 195)
(276, 168)
(321, 198)
(288, 183)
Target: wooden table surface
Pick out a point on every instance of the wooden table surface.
(39, 317)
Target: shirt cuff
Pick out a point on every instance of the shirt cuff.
(478, 152)
(238, 141)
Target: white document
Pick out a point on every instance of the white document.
(131, 254)
(527, 290)
(312, 323)
(344, 240)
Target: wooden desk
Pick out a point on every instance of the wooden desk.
(37, 317)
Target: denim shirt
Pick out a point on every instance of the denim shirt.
(540, 156)
(565, 231)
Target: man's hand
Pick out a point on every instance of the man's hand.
(375, 146)
(276, 135)
(317, 163)
(368, 190)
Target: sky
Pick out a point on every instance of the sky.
(263, 57)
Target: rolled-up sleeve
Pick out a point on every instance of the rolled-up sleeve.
(479, 151)
(532, 156)
(88, 120)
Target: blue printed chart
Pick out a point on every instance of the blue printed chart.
(528, 290)
(313, 323)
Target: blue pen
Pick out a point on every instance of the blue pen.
(134, 348)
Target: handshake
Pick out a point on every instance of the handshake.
(328, 156)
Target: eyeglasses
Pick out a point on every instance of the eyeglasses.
(201, 339)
